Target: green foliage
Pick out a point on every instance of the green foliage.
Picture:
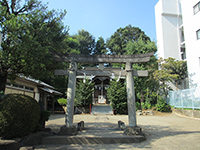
(140, 47)
(162, 105)
(86, 42)
(169, 70)
(44, 116)
(62, 101)
(151, 97)
(143, 106)
(142, 84)
(117, 95)
(146, 105)
(118, 41)
(31, 36)
(178, 67)
(84, 93)
(1, 95)
(100, 47)
(137, 105)
(19, 115)
(136, 42)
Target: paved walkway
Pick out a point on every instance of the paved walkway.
(102, 109)
(163, 132)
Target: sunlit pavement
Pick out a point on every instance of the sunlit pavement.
(163, 131)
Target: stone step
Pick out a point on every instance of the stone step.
(99, 109)
(81, 140)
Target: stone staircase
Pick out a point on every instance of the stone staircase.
(102, 109)
(84, 140)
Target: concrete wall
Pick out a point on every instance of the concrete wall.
(168, 20)
(17, 91)
(187, 113)
(191, 23)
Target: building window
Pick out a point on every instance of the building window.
(18, 86)
(198, 34)
(182, 38)
(29, 88)
(183, 54)
(8, 83)
(197, 8)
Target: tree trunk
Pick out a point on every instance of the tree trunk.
(142, 97)
(3, 79)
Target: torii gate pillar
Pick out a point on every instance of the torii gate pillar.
(130, 95)
(71, 94)
(128, 59)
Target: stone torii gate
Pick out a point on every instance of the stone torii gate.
(128, 73)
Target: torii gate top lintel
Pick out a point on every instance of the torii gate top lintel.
(79, 58)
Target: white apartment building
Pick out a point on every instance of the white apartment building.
(178, 34)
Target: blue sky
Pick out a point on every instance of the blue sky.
(101, 18)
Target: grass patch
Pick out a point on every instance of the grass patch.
(187, 108)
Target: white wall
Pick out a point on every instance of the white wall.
(168, 20)
(171, 7)
(191, 25)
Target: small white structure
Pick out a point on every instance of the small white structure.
(178, 34)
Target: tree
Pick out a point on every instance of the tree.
(86, 42)
(84, 92)
(163, 76)
(142, 84)
(60, 82)
(130, 41)
(100, 47)
(117, 95)
(170, 70)
(72, 45)
(178, 67)
(31, 36)
(119, 40)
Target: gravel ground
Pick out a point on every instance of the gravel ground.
(164, 131)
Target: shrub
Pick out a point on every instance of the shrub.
(62, 101)
(117, 95)
(148, 105)
(162, 105)
(44, 116)
(84, 91)
(1, 95)
(19, 115)
(137, 106)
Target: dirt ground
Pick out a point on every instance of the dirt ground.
(164, 131)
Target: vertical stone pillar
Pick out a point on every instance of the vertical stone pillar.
(71, 94)
(102, 89)
(37, 94)
(130, 95)
(45, 101)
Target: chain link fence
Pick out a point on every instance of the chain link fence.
(189, 98)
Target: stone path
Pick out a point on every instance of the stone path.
(101, 109)
(163, 132)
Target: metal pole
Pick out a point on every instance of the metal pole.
(182, 99)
